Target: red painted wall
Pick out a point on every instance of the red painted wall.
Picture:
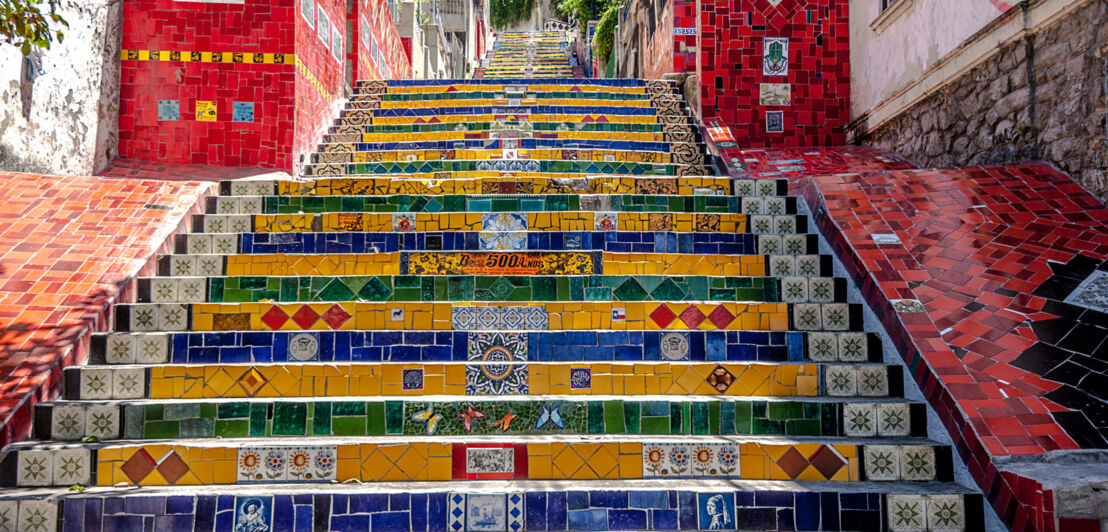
(159, 107)
(731, 69)
(379, 51)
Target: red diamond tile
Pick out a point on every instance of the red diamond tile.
(721, 317)
(692, 317)
(335, 316)
(663, 316)
(173, 467)
(305, 317)
(138, 466)
(275, 317)
(792, 462)
(827, 461)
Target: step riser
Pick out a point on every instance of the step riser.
(752, 205)
(401, 511)
(400, 418)
(519, 378)
(382, 186)
(472, 288)
(427, 346)
(183, 465)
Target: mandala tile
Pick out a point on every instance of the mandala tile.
(752, 205)
(770, 244)
(794, 290)
(893, 419)
(840, 381)
(67, 422)
(823, 347)
(163, 290)
(882, 462)
(807, 265)
(504, 222)
(917, 462)
(782, 265)
(102, 421)
(853, 347)
(946, 513)
(34, 468)
(807, 317)
(821, 289)
(120, 349)
(38, 515)
(760, 225)
(907, 513)
(859, 420)
(144, 318)
(128, 383)
(412, 380)
(503, 241)
(873, 381)
(96, 383)
(836, 316)
(776, 207)
(794, 244)
(9, 516)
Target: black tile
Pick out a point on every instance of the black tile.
(1079, 428)
(1083, 338)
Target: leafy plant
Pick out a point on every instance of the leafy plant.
(606, 29)
(24, 24)
(508, 12)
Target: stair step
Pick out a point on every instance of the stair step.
(563, 415)
(440, 346)
(519, 377)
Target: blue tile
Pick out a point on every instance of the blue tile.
(774, 498)
(556, 514)
(588, 520)
(535, 506)
(352, 523)
(436, 512)
(124, 523)
(626, 519)
(144, 505)
(663, 520)
(785, 519)
(73, 515)
(648, 499)
(93, 514)
(608, 499)
(179, 505)
(205, 512)
(807, 511)
(284, 514)
(173, 522)
(577, 500)
(390, 522)
(687, 508)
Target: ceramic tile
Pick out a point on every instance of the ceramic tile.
(102, 421)
(150, 348)
(893, 419)
(946, 513)
(127, 383)
(907, 513)
(859, 420)
(9, 516)
(840, 381)
(917, 463)
(882, 462)
(38, 515)
(120, 348)
(67, 422)
(96, 383)
(35, 468)
(72, 466)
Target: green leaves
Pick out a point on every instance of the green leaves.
(508, 12)
(605, 30)
(24, 24)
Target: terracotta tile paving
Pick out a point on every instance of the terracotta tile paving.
(68, 247)
(125, 168)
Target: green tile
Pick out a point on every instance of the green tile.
(743, 417)
(675, 417)
(632, 416)
(613, 417)
(155, 412)
(596, 417)
(713, 417)
(158, 430)
(802, 427)
(258, 415)
(699, 417)
(394, 417)
(727, 417)
(351, 426)
(232, 428)
(655, 425)
(785, 410)
(766, 426)
(290, 419)
(197, 427)
(321, 419)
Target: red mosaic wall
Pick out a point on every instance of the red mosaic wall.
(379, 54)
(684, 36)
(320, 77)
(178, 137)
(731, 69)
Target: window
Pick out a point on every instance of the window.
(885, 4)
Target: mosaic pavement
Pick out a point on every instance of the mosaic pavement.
(493, 325)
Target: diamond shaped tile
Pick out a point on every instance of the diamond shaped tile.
(138, 466)
(335, 316)
(720, 379)
(172, 467)
(274, 318)
(692, 317)
(663, 316)
(251, 381)
(721, 317)
(305, 317)
(792, 462)
(827, 461)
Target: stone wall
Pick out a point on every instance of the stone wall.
(65, 121)
(1039, 98)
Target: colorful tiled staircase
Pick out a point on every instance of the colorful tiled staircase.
(517, 55)
(492, 305)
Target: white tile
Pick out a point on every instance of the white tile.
(794, 244)
(264, 187)
(120, 348)
(907, 513)
(840, 381)
(516, 512)
(226, 205)
(917, 462)
(128, 383)
(761, 225)
(775, 205)
(821, 289)
(225, 243)
(38, 516)
(873, 381)
(151, 348)
(836, 316)
(882, 462)
(455, 512)
(209, 265)
(34, 468)
(144, 317)
(72, 466)
(894, 419)
(163, 290)
(173, 317)
(807, 317)
(946, 513)
(752, 205)
(216, 223)
(770, 244)
(102, 421)
(9, 515)
(823, 347)
(67, 422)
(250, 205)
(198, 244)
(782, 265)
(784, 224)
(859, 420)
(853, 347)
(807, 265)
(182, 264)
(192, 289)
(794, 289)
(96, 383)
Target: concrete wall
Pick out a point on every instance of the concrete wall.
(1038, 96)
(914, 36)
(67, 120)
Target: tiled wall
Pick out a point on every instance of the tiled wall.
(319, 74)
(182, 104)
(779, 75)
(684, 35)
(380, 54)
